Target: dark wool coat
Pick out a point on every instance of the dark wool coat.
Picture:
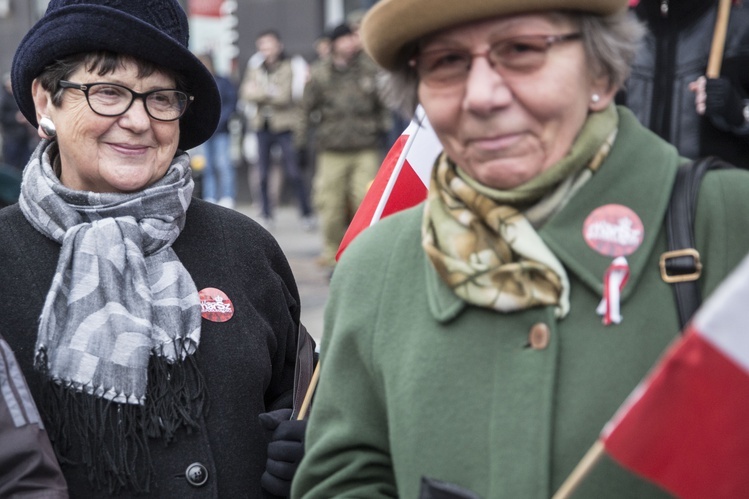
(247, 362)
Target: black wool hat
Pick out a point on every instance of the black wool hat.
(151, 30)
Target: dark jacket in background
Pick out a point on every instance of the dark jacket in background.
(674, 53)
(17, 137)
(228, 91)
(28, 467)
(247, 362)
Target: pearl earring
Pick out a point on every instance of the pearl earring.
(48, 127)
(595, 98)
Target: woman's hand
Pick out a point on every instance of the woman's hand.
(698, 87)
(717, 99)
(285, 450)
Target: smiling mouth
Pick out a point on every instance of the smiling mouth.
(129, 148)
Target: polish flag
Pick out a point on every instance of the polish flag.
(686, 426)
(402, 180)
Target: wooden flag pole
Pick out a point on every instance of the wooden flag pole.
(310, 392)
(586, 464)
(719, 39)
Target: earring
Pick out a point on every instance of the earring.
(48, 127)
(595, 98)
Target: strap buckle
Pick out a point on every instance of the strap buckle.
(690, 276)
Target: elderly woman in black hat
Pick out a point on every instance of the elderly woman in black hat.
(476, 344)
(162, 326)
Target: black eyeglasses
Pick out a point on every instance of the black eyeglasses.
(446, 67)
(111, 99)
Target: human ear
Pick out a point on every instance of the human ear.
(602, 94)
(42, 105)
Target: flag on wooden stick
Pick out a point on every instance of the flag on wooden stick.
(402, 180)
(686, 426)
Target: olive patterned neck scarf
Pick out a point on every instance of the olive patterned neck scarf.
(483, 242)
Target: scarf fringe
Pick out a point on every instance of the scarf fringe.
(112, 439)
(175, 396)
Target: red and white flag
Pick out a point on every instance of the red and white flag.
(686, 426)
(402, 180)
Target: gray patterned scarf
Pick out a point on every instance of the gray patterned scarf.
(121, 307)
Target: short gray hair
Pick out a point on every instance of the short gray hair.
(610, 43)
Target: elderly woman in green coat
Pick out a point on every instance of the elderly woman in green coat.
(478, 342)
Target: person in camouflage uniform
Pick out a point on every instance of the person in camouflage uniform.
(271, 87)
(342, 101)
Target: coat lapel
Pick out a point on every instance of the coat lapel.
(639, 175)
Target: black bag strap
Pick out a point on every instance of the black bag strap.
(305, 364)
(681, 265)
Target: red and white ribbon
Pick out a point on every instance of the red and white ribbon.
(614, 280)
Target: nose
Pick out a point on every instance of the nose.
(485, 90)
(136, 117)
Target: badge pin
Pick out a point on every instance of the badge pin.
(613, 230)
(215, 306)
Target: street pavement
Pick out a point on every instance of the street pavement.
(302, 249)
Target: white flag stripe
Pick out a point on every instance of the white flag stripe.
(724, 320)
(422, 154)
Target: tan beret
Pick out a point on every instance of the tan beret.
(391, 24)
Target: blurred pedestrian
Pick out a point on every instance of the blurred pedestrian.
(342, 101)
(273, 87)
(322, 47)
(668, 90)
(218, 174)
(18, 137)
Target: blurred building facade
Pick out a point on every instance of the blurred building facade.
(226, 27)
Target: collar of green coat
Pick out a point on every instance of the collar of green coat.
(638, 174)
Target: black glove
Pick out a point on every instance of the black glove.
(722, 99)
(285, 451)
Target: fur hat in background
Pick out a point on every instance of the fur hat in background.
(152, 30)
(392, 24)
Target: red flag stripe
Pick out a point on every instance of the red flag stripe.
(407, 191)
(688, 429)
(402, 180)
(365, 214)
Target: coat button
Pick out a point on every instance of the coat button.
(538, 338)
(196, 475)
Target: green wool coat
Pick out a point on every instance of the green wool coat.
(416, 383)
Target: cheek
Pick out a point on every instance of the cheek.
(78, 128)
(562, 106)
(167, 135)
(442, 110)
